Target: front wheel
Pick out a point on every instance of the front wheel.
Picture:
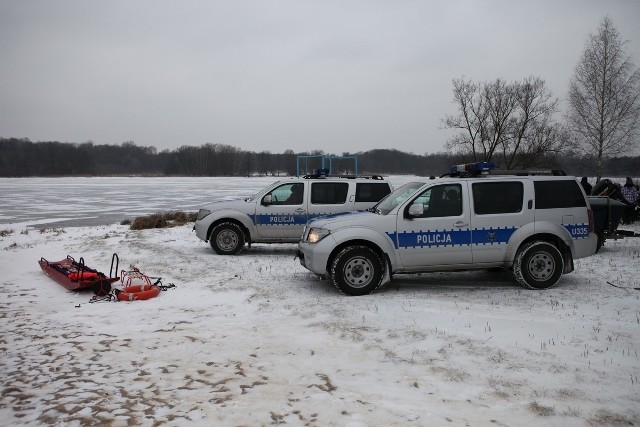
(538, 265)
(357, 270)
(227, 238)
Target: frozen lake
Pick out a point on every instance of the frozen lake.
(74, 202)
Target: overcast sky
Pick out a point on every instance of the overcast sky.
(338, 76)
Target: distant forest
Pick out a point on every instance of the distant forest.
(20, 157)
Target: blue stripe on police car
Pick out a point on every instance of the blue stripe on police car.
(484, 236)
(279, 219)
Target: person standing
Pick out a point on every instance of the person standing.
(630, 193)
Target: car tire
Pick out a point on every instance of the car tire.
(538, 265)
(227, 238)
(357, 270)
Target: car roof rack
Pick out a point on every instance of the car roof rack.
(321, 176)
(551, 172)
(471, 170)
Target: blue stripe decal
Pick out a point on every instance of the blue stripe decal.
(492, 236)
(282, 219)
(286, 219)
(578, 231)
(421, 239)
(485, 236)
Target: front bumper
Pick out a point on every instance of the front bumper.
(201, 227)
(300, 256)
(315, 256)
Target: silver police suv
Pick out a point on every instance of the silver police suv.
(535, 223)
(278, 213)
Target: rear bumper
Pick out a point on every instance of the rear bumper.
(585, 247)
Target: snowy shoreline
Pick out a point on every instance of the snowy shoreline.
(255, 339)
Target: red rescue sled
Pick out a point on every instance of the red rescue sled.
(75, 275)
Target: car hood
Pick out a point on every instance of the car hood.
(226, 204)
(342, 219)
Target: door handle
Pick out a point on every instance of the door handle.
(461, 224)
(300, 210)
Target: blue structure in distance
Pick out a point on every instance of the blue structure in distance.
(326, 167)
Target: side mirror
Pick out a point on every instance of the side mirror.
(266, 200)
(416, 210)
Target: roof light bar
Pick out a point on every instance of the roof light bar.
(481, 167)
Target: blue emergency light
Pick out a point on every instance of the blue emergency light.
(481, 167)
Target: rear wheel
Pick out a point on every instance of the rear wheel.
(538, 265)
(357, 270)
(227, 238)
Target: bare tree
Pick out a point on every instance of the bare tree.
(514, 119)
(501, 101)
(471, 120)
(604, 97)
(533, 131)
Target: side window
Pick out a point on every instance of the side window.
(497, 197)
(558, 194)
(441, 200)
(288, 194)
(371, 191)
(329, 193)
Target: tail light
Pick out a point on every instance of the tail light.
(591, 227)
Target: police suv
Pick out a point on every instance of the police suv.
(278, 213)
(535, 223)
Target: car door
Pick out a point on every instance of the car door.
(498, 209)
(437, 233)
(282, 212)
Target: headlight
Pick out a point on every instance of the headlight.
(317, 234)
(202, 213)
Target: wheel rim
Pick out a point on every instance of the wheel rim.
(227, 240)
(358, 272)
(541, 266)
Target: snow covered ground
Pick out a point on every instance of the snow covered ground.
(256, 339)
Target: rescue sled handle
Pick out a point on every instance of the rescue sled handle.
(69, 257)
(112, 272)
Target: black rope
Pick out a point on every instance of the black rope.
(164, 287)
(623, 287)
(113, 295)
(105, 298)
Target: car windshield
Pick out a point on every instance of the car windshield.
(262, 192)
(399, 195)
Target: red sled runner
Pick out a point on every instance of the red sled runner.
(75, 275)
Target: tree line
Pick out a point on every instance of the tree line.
(20, 157)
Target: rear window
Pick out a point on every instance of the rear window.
(329, 193)
(497, 197)
(371, 191)
(558, 194)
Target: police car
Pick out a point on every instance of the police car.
(535, 223)
(278, 213)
